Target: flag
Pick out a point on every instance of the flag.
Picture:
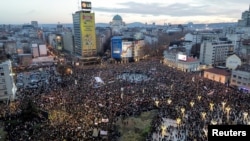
(211, 92)
(121, 95)
(193, 78)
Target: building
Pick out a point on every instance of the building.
(7, 84)
(215, 52)
(181, 61)
(35, 50)
(218, 75)
(68, 44)
(117, 25)
(84, 31)
(34, 24)
(241, 77)
(245, 19)
(233, 61)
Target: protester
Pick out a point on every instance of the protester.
(79, 111)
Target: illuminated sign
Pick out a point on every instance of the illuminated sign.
(86, 5)
(182, 57)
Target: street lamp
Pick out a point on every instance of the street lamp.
(245, 114)
(192, 104)
(223, 105)
(169, 101)
(211, 106)
(157, 103)
(183, 111)
(228, 110)
(178, 121)
(203, 115)
(163, 130)
(199, 97)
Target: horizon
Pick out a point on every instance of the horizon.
(148, 11)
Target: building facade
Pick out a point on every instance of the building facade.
(181, 62)
(241, 78)
(84, 34)
(233, 61)
(218, 75)
(215, 52)
(7, 85)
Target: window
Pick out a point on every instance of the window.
(239, 77)
(238, 82)
(2, 74)
(5, 92)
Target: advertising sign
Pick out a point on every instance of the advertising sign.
(127, 49)
(88, 32)
(86, 5)
(182, 57)
(116, 47)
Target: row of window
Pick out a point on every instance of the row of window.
(240, 83)
(239, 77)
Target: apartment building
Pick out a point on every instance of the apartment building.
(241, 77)
(215, 53)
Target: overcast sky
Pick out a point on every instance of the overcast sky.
(145, 11)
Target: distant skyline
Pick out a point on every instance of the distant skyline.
(145, 11)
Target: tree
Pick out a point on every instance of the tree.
(195, 50)
(29, 111)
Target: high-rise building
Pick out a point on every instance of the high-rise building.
(84, 31)
(245, 19)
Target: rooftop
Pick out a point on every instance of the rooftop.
(244, 67)
(117, 18)
(219, 71)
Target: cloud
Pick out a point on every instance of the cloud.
(173, 10)
(33, 11)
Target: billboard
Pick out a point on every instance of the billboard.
(87, 27)
(86, 5)
(127, 48)
(116, 47)
(182, 57)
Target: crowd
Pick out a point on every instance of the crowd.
(78, 111)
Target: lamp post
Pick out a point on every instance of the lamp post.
(157, 103)
(228, 110)
(192, 104)
(203, 115)
(163, 130)
(199, 97)
(178, 121)
(169, 101)
(223, 105)
(245, 114)
(211, 106)
(183, 111)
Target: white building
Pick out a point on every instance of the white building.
(117, 25)
(193, 37)
(215, 52)
(233, 61)
(7, 85)
(241, 77)
(181, 61)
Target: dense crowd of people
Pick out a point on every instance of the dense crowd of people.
(76, 110)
